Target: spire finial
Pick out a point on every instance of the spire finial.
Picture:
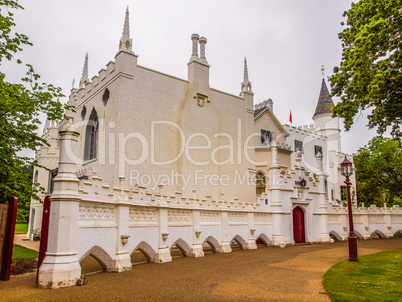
(246, 84)
(322, 70)
(245, 78)
(84, 78)
(125, 41)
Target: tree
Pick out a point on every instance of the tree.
(369, 75)
(20, 106)
(379, 172)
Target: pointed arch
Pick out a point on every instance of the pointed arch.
(240, 241)
(299, 225)
(101, 256)
(91, 137)
(336, 235)
(147, 250)
(398, 232)
(213, 243)
(358, 235)
(379, 233)
(183, 246)
(263, 239)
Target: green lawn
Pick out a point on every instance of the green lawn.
(21, 228)
(20, 252)
(375, 277)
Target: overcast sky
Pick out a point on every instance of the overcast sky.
(285, 43)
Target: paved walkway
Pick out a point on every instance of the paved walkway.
(20, 239)
(268, 273)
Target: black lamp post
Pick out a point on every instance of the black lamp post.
(347, 170)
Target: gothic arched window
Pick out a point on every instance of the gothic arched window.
(35, 180)
(91, 137)
(260, 183)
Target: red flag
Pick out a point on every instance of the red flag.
(290, 116)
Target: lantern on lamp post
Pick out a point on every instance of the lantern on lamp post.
(347, 170)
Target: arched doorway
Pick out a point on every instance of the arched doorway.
(298, 225)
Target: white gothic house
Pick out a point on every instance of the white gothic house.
(195, 166)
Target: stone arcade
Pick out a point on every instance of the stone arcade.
(193, 166)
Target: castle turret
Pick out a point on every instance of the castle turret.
(325, 124)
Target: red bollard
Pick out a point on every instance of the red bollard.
(44, 234)
(9, 239)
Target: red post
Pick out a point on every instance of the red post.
(352, 237)
(44, 233)
(9, 239)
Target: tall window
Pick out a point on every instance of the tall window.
(344, 193)
(35, 180)
(260, 183)
(266, 136)
(52, 175)
(91, 137)
(299, 145)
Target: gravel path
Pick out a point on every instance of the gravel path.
(268, 273)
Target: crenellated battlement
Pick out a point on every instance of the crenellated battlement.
(95, 190)
(305, 129)
(92, 87)
(373, 209)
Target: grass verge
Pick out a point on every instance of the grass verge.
(21, 228)
(375, 277)
(20, 252)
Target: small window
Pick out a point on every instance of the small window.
(299, 145)
(266, 136)
(317, 149)
(105, 96)
(344, 193)
(83, 112)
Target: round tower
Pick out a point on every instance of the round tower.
(325, 124)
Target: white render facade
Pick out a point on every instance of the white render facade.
(150, 162)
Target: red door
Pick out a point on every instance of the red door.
(298, 225)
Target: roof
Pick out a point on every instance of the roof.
(260, 111)
(325, 103)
